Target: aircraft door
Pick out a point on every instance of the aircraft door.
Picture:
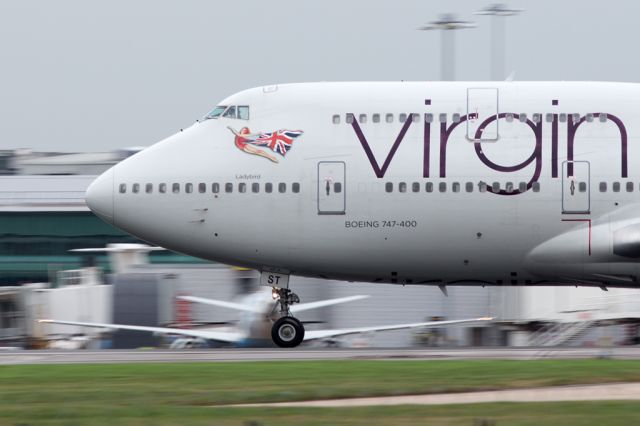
(482, 103)
(331, 187)
(576, 187)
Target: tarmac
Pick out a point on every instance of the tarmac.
(13, 357)
(606, 392)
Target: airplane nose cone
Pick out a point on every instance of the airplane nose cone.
(99, 196)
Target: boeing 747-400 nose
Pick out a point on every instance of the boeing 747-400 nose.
(99, 196)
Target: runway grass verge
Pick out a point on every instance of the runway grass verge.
(174, 393)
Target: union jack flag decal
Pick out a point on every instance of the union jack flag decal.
(279, 141)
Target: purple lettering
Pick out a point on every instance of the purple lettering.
(380, 171)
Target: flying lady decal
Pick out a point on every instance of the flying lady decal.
(279, 142)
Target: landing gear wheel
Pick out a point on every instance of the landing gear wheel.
(287, 332)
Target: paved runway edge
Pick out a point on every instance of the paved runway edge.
(306, 354)
(604, 392)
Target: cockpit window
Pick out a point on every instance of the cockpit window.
(243, 112)
(216, 112)
(230, 112)
(233, 111)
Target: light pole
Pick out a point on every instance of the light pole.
(447, 24)
(498, 37)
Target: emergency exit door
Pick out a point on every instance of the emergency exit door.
(332, 195)
(576, 187)
(482, 103)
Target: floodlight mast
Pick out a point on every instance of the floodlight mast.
(498, 36)
(447, 24)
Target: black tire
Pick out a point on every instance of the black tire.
(287, 332)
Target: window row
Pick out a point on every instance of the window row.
(442, 118)
(468, 187)
(202, 188)
(616, 186)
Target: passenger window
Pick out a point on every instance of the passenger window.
(337, 187)
(522, 187)
(243, 112)
(202, 188)
(336, 119)
(215, 188)
(602, 117)
(575, 117)
(563, 118)
(589, 117)
(123, 188)
(188, 188)
(482, 187)
(162, 188)
(228, 188)
(522, 117)
(429, 187)
(442, 118)
(468, 187)
(362, 118)
(582, 187)
(375, 118)
(456, 118)
(282, 187)
(415, 187)
(148, 188)
(455, 187)
(136, 188)
(255, 187)
(629, 186)
(616, 187)
(242, 187)
(549, 117)
(535, 186)
(402, 117)
(536, 118)
(509, 117)
(442, 187)
(415, 117)
(175, 188)
(268, 187)
(428, 118)
(349, 118)
(230, 112)
(295, 187)
(389, 118)
(402, 187)
(388, 186)
(509, 187)
(603, 186)
(495, 186)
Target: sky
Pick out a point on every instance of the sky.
(84, 75)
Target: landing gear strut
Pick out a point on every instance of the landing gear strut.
(287, 331)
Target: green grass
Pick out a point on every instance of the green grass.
(183, 393)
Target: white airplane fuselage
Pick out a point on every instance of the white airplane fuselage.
(488, 183)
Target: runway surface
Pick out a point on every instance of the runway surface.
(8, 357)
(607, 392)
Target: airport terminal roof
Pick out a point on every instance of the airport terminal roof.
(43, 193)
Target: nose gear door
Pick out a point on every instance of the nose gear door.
(332, 197)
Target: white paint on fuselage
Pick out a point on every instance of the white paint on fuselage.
(285, 231)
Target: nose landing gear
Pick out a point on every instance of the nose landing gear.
(287, 331)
